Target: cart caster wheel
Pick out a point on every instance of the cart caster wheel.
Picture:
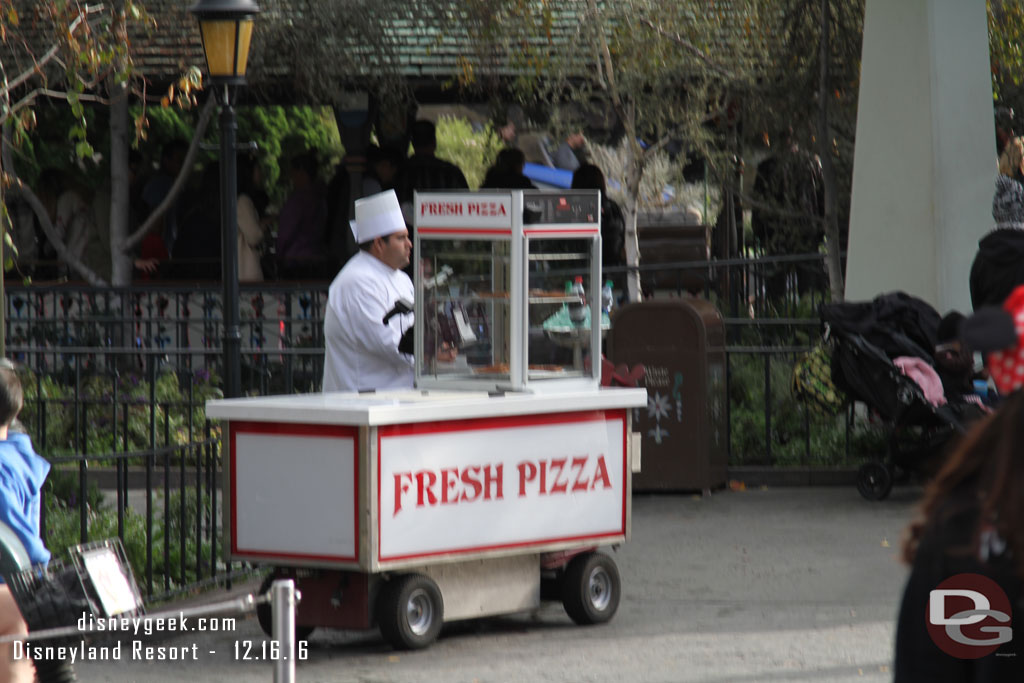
(874, 481)
(410, 611)
(266, 618)
(591, 589)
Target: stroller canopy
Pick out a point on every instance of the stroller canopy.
(897, 323)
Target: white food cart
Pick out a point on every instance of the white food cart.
(482, 491)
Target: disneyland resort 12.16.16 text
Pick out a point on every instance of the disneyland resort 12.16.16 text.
(139, 650)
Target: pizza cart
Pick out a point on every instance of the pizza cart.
(484, 489)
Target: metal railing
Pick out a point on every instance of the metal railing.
(133, 456)
(282, 330)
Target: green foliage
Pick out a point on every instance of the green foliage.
(1006, 52)
(48, 398)
(279, 133)
(63, 532)
(1006, 36)
(51, 399)
(171, 528)
(47, 146)
(471, 150)
(62, 485)
(282, 132)
(167, 124)
(798, 438)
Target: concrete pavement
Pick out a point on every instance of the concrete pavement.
(777, 584)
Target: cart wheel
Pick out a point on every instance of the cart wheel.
(410, 611)
(874, 481)
(591, 588)
(266, 618)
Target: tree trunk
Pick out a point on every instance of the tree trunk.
(634, 169)
(120, 186)
(833, 245)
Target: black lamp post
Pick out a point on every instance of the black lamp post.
(226, 27)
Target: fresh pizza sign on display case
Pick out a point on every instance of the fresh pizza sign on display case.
(478, 486)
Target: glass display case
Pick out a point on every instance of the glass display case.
(507, 286)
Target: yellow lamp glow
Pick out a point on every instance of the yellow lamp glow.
(226, 27)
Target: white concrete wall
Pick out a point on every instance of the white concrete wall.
(924, 165)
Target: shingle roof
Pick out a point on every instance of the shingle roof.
(432, 51)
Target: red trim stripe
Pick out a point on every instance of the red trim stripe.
(273, 554)
(463, 231)
(493, 423)
(277, 428)
(553, 231)
(504, 546)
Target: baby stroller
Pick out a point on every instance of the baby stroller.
(867, 338)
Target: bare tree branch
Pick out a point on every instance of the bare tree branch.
(53, 51)
(689, 47)
(606, 56)
(55, 94)
(37, 68)
(204, 119)
(19, 188)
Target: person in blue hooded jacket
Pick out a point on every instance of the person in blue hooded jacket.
(22, 473)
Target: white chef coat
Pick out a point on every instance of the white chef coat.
(361, 353)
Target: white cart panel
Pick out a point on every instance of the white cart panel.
(479, 486)
(294, 491)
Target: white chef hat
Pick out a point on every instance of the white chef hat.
(377, 215)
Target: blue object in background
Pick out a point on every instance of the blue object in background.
(981, 388)
(546, 177)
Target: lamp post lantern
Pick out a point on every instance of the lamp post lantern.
(226, 27)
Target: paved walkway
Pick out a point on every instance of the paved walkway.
(798, 584)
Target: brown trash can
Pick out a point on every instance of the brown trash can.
(681, 343)
(671, 239)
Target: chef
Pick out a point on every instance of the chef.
(361, 348)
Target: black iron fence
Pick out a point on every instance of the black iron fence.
(117, 379)
(282, 330)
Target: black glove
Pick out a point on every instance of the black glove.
(401, 306)
(407, 344)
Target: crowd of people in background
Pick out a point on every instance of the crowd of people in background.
(306, 238)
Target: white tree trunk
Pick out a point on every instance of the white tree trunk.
(634, 173)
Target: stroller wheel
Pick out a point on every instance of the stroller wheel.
(874, 481)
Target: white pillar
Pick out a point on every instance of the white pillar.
(925, 162)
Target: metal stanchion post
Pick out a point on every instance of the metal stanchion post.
(282, 605)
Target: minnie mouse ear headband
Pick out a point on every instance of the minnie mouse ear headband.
(999, 333)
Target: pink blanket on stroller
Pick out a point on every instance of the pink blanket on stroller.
(925, 376)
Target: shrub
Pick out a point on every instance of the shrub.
(63, 520)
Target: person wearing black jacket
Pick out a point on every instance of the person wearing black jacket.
(613, 223)
(999, 264)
